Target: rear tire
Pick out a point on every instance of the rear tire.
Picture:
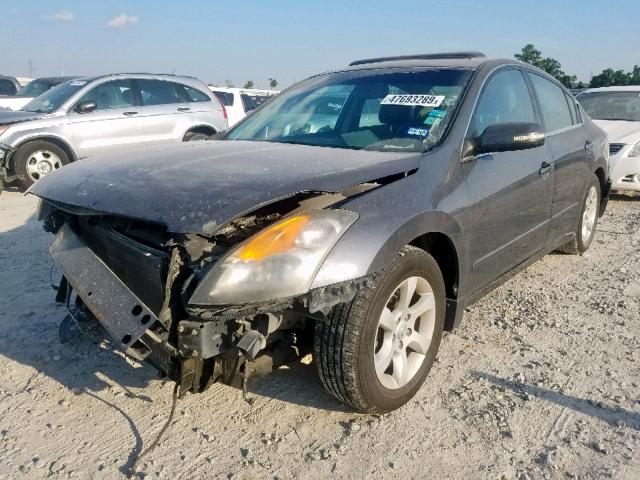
(195, 136)
(587, 220)
(38, 159)
(359, 354)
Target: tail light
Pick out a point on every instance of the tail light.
(224, 110)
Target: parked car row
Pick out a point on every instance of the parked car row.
(109, 113)
(357, 214)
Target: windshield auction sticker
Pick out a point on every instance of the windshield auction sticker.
(413, 100)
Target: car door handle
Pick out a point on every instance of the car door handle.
(183, 109)
(130, 113)
(545, 168)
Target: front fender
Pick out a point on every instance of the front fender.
(366, 247)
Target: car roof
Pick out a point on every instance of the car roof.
(625, 88)
(55, 80)
(462, 60)
(166, 76)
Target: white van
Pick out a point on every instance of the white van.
(240, 101)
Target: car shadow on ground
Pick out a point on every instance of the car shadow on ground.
(13, 187)
(625, 196)
(611, 414)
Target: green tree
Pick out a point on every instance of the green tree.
(249, 84)
(273, 83)
(228, 83)
(533, 56)
(610, 77)
(634, 75)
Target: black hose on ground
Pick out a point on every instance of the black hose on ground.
(134, 468)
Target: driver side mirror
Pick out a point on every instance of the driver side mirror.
(86, 107)
(505, 137)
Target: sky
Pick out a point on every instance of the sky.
(291, 40)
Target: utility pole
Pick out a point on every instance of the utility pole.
(30, 69)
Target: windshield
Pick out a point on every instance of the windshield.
(612, 105)
(393, 111)
(35, 88)
(52, 99)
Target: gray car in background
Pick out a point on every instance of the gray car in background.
(104, 114)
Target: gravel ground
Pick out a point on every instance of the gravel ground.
(541, 381)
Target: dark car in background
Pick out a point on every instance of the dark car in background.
(362, 236)
(31, 90)
(8, 85)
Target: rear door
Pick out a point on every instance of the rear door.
(167, 117)
(510, 193)
(571, 150)
(204, 109)
(114, 125)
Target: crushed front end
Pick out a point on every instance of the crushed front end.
(200, 308)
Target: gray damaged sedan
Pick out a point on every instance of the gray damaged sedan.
(355, 216)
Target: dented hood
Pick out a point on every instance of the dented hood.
(196, 186)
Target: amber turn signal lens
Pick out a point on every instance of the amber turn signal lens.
(275, 239)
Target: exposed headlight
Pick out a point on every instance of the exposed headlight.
(278, 262)
(635, 151)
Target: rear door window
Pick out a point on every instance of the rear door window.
(109, 95)
(158, 92)
(505, 99)
(553, 104)
(192, 94)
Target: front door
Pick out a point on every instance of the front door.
(510, 193)
(114, 125)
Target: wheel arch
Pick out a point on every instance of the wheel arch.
(438, 234)
(201, 128)
(63, 144)
(604, 188)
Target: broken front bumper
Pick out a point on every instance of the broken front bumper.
(132, 325)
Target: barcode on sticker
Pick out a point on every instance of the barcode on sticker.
(413, 100)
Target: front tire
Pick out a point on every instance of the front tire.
(587, 221)
(38, 159)
(375, 352)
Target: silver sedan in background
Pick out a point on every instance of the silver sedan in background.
(109, 113)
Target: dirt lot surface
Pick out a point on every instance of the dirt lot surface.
(541, 381)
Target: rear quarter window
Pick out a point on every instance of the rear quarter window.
(225, 97)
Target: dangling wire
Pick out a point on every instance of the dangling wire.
(134, 467)
(245, 383)
(73, 315)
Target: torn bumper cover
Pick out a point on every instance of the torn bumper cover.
(193, 345)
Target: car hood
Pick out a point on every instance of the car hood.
(9, 117)
(620, 131)
(198, 186)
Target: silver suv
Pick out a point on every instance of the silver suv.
(93, 115)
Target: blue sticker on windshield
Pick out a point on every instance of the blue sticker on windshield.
(431, 120)
(437, 113)
(420, 132)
